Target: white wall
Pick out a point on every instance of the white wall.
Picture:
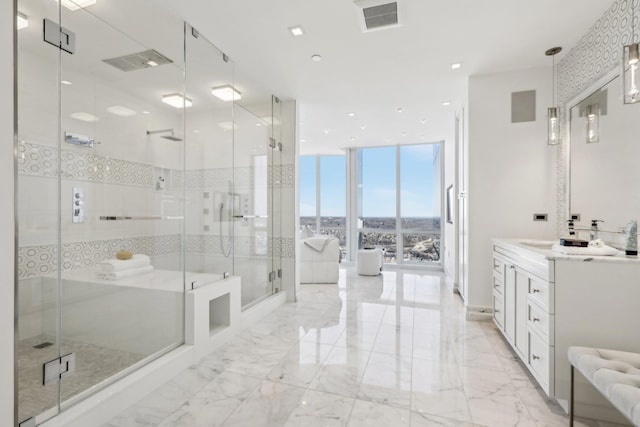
(6, 214)
(511, 171)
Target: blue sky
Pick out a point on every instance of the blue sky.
(378, 179)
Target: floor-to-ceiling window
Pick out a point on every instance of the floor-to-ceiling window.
(398, 207)
(399, 201)
(323, 199)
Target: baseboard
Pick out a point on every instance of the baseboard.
(478, 313)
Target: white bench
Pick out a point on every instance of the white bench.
(615, 374)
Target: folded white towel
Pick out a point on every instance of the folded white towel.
(115, 265)
(116, 275)
(604, 250)
(318, 243)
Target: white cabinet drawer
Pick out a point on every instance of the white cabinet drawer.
(498, 310)
(498, 267)
(542, 293)
(498, 284)
(540, 360)
(540, 321)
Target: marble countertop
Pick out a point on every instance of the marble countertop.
(542, 249)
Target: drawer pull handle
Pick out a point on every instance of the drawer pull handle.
(535, 319)
(496, 311)
(534, 357)
(535, 291)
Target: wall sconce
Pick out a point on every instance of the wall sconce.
(630, 63)
(553, 113)
(592, 113)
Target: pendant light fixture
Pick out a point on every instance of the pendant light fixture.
(553, 113)
(630, 64)
(592, 113)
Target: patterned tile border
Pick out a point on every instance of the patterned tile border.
(598, 52)
(42, 160)
(42, 260)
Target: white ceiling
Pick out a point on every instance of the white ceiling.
(374, 73)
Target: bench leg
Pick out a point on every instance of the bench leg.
(571, 400)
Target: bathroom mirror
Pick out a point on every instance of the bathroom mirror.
(603, 162)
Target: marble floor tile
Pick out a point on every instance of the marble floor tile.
(302, 363)
(341, 372)
(387, 380)
(269, 406)
(370, 414)
(390, 350)
(318, 409)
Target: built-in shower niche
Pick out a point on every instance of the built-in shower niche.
(219, 314)
(213, 311)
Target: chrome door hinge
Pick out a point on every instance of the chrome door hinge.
(272, 276)
(59, 368)
(59, 36)
(279, 273)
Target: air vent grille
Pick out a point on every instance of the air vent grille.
(380, 16)
(138, 61)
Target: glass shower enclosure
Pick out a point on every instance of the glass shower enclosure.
(124, 147)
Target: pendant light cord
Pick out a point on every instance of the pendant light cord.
(553, 80)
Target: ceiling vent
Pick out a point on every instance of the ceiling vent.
(378, 14)
(138, 61)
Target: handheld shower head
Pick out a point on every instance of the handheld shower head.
(170, 137)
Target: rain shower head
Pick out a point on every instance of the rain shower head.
(170, 137)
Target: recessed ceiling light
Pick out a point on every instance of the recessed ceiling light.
(303, 140)
(456, 65)
(66, 82)
(421, 136)
(399, 109)
(121, 111)
(258, 124)
(176, 100)
(146, 112)
(388, 139)
(85, 117)
(196, 131)
(423, 121)
(226, 93)
(22, 21)
(446, 103)
(363, 127)
(351, 114)
(316, 58)
(404, 134)
(151, 63)
(77, 4)
(326, 131)
(297, 30)
(353, 138)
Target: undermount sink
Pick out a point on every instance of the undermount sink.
(538, 244)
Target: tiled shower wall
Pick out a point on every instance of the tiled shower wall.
(42, 161)
(598, 52)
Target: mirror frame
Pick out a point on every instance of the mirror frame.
(601, 82)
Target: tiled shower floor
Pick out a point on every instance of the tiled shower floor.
(93, 364)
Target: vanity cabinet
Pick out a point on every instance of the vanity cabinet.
(524, 309)
(545, 302)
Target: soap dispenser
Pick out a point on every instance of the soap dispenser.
(631, 234)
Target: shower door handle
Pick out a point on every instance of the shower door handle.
(250, 216)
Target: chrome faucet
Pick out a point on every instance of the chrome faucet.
(593, 232)
(570, 227)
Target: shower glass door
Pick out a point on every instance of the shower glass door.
(100, 170)
(211, 199)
